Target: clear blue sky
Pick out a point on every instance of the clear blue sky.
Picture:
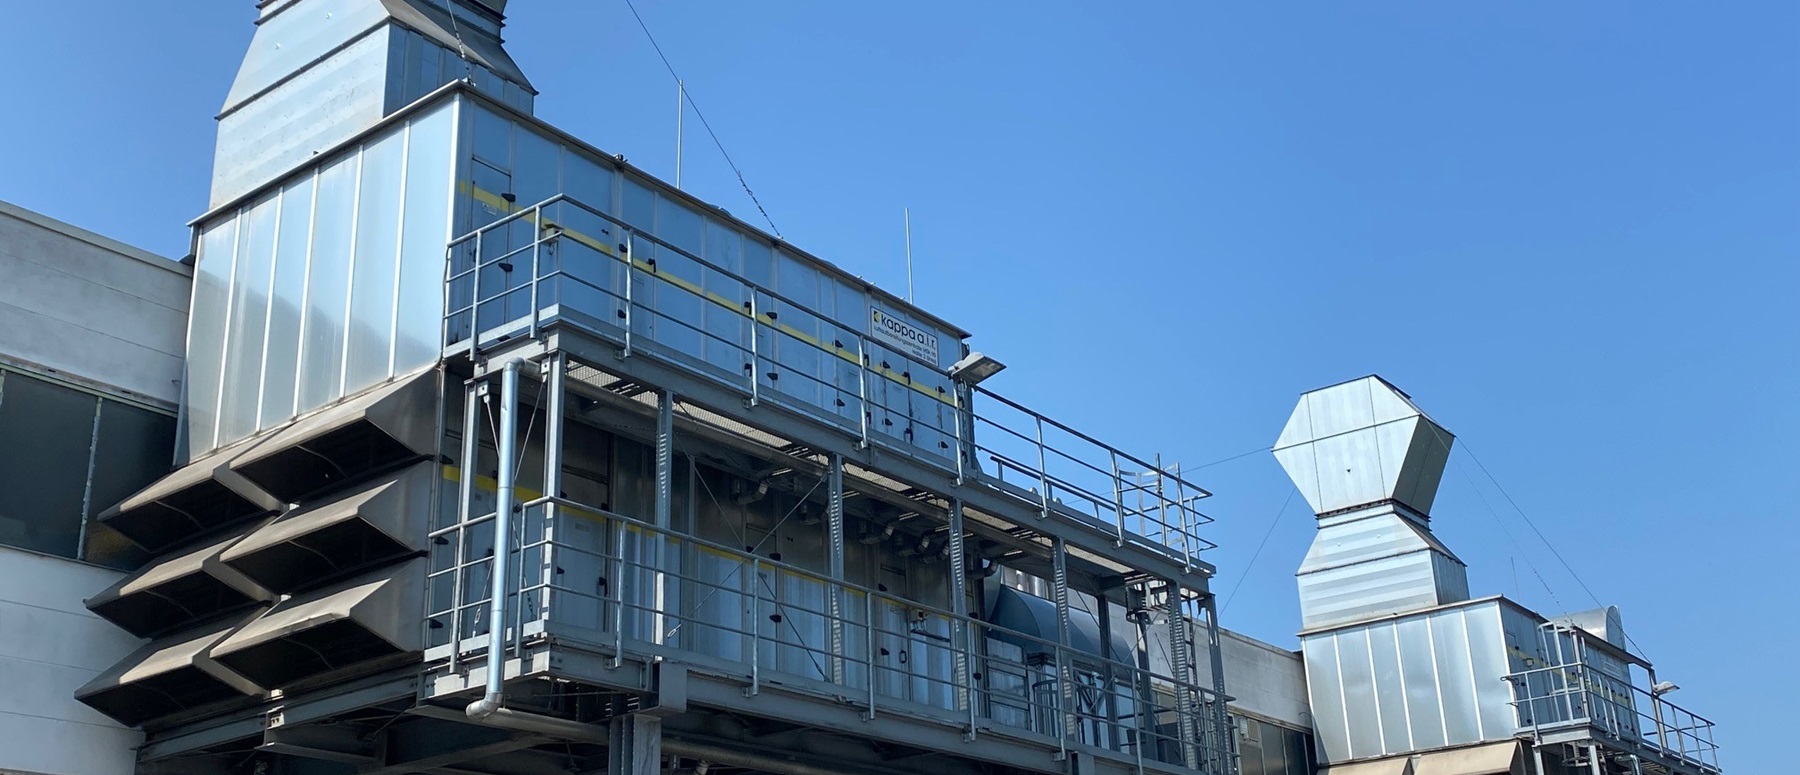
(1570, 230)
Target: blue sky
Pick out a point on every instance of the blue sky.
(1570, 230)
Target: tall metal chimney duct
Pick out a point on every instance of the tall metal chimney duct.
(1369, 462)
(320, 71)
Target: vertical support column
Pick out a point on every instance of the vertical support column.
(665, 476)
(1594, 759)
(1181, 663)
(1065, 669)
(506, 444)
(834, 599)
(634, 745)
(465, 500)
(962, 636)
(1111, 739)
(1221, 719)
(555, 368)
(1144, 710)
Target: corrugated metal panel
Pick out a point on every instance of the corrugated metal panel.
(1423, 681)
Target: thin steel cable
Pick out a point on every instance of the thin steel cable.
(1229, 459)
(1470, 451)
(1479, 495)
(1259, 547)
(689, 96)
(740, 565)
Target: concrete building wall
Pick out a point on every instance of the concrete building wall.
(91, 311)
(49, 645)
(1266, 680)
(94, 309)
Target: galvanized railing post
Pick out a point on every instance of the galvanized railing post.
(1043, 469)
(616, 589)
(755, 579)
(630, 265)
(862, 389)
(755, 350)
(475, 295)
(1118, 497)
(873, 650)
(537, 242)
(959, 394)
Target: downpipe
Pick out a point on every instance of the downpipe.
(488, 708)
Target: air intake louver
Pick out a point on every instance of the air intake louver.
(196, 499)
(338, 445)
(167, 676)
(185, 587)
(365, 619)
(380, 522)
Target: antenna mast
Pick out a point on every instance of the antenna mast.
(907, 214)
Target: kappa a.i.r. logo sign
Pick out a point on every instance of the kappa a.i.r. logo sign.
(903, 336)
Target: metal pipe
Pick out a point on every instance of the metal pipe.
(503, 506)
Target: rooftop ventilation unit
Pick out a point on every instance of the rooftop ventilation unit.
(380, 522)
(196, 499)
(356, 622)
(1369, 462)
(340, 444)
(185, 587)
(165, 677)
(320, 71)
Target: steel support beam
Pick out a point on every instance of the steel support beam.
(1181, 663)
(423, 744)
(1065, 669)
(1221, 719)
(665, 483)
(834, 530)
(962, 636)
(634, 745)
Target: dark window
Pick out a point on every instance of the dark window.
(46, 431)
(133, 449)
(58, 470)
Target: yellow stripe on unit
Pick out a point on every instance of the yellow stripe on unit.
(498, 203)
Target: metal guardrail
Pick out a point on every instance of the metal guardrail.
(1570, 696)
(562, 262)
(982, 676)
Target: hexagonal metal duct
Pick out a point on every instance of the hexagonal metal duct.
(1369, 463)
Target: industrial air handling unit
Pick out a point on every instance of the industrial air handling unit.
(507, 457)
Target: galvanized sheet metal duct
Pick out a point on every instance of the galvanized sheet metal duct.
(1369, 462)
(318, 72)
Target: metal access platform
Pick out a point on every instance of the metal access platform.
(1584, 712)
(561, 314)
